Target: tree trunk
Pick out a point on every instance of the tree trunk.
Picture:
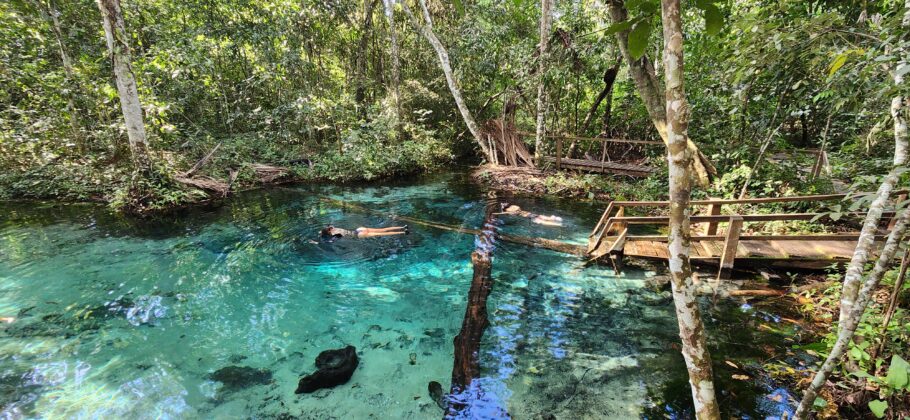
(854, 299)
(847, 327)
(116, 36)
(541, 131)
(426, 29)
(50, 14)
(649, 89)
(360, 92)
(691, 329)
(395, 56)
(466, 364)
(873, 217)
(607, 93)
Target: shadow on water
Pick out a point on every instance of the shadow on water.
(218, 312)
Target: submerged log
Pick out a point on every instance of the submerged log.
(550, 244)
(466, 366)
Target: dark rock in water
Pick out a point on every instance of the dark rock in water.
(333, 368)
(237, 358)
(412, 358)
(436, 394)
(239, 377)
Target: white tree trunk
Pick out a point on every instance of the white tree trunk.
(541, 131)
(691, 329)
(863, 248)
(116, 36)
(649, 89)
(854, 299)
(426, 29)
(848, 325)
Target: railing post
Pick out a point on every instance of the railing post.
(619, 226)
(558, 153)
(730, 246)
(713, 210)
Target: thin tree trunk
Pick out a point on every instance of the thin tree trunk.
(360, 92)
(649, 89)
(395, 55)
(116, 36)
(607, 93)
(50, 14)
(691, 329)
(426, 29)
(854, 299)
(892, 303)
(873, 217)
(541, 131)
(847, 327)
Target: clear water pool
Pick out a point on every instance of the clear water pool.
(117, 318)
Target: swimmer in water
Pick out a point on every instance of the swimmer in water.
(514, 210)
(332, 232)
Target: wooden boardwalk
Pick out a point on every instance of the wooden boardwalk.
(600, 167)
(597, 166)
(723, 247)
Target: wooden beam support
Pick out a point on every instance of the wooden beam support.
(713, 210)
(731, 244)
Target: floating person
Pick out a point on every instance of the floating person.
(332, 232)
(514, 210)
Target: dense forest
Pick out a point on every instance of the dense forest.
(155, 105)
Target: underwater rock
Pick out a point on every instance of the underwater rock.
(333, 368)
(412, 358)
(239, 377)
(436, 394)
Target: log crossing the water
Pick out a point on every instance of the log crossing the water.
(554, 245)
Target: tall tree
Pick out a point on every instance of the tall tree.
(876, 208)
(426, 29)
(395, 54)
(361, 65)
(679, 156)
(51, 14)
(546, 16)
(115, 33)
(648, 86)
(853, 297)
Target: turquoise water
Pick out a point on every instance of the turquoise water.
(116, 318)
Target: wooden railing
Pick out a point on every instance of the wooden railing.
(560, 137)
(618, 224)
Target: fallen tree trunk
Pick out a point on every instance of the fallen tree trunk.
(523, 240)
(466, 366)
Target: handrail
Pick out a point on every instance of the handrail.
(601, 139)
(598, 229)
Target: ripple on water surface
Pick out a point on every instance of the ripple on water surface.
(218, 314)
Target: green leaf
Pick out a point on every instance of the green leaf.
(459, 7)
(856, 353)
(838, 62)
(618, 27)
(897, 373)
(819, 402)
(714, 19)
(638, 39)
(878, 407)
